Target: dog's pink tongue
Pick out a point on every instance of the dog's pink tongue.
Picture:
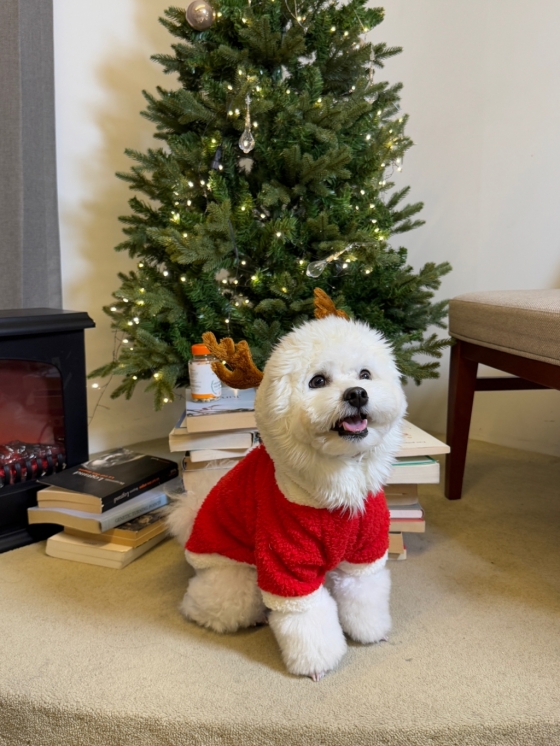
(354, 426)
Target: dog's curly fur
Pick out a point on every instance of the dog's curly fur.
(319, 462)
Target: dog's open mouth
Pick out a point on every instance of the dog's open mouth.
(353, 426)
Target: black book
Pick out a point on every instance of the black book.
(105, 481)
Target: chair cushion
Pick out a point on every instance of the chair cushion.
(521, 322)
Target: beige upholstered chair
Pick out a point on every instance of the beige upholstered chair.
(516, 331)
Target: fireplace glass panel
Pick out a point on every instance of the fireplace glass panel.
(32, 433)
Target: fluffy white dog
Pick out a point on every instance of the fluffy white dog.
(298, 530)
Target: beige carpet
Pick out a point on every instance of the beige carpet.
(102, 657)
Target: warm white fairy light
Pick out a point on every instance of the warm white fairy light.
(191, 184)
(243, 261)
(362, 191)
(125, 341)
(344, 265)
(202, 182)
(237, 112)
(94, 385)
(189, 203)
(165, 401)
(185, 235)
(333, 29)
(165, 273)
(278, 234)
(254, 278)
(134, 378)
(230, 113)
(113, 308)
(136, 320)
(243, 208)
(140, 265)
(368, 137)
(346, 33)
(230, 88)
(183, 278)
(130, 323)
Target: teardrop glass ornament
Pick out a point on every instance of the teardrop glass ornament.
(247, 141)
(315, 269)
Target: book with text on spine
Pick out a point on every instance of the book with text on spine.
(103, 482)
(98, 522)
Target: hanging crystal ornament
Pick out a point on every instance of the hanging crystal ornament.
(200, 15)
(315, 269)
(217, 158)
(247, 141)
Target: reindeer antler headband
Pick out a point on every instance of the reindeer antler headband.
(242, 372)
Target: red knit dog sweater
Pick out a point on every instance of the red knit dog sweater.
(247, 518)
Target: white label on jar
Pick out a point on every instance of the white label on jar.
(204, 382)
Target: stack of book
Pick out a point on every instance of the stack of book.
(110, 507)
(414, 465)
(214, 435)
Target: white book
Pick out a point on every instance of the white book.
(415, 469)
(181, 440)
(208, 454)
(65, 546)
(416, 442)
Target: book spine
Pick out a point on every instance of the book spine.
(167, 472)
(107, 522)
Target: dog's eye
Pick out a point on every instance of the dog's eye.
(317, 382)
(365, 374)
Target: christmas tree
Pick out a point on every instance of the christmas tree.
(273, 177)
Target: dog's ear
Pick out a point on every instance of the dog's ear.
(324, 306)
(242, 372)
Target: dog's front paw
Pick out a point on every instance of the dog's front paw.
(311, 639)
(363, 604)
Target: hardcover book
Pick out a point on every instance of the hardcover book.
(106, 481)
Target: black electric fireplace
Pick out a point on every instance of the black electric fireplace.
(43, 410)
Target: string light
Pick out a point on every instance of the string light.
(94, 385)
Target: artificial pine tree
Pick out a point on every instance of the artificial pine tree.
(273, 177)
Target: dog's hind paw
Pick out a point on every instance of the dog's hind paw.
(317, 676)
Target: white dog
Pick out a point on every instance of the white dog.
(298, 530)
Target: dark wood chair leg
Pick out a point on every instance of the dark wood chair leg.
(462, 383)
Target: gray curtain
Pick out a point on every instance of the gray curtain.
(29, 236)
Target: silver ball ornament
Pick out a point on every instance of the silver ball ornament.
(200, 15)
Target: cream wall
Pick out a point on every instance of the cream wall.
(481, 86)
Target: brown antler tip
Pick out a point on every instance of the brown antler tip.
(324, 306)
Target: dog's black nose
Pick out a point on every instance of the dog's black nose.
(356, 396)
